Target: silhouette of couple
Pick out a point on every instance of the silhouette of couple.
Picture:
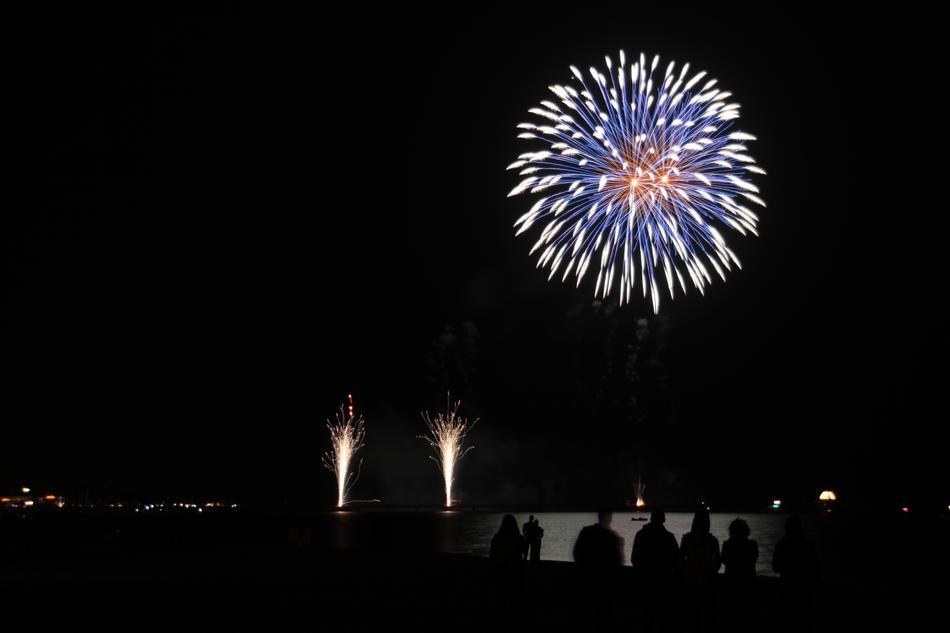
(533, 533)
(509, 550)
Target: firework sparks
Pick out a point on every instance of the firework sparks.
(641, 489)
(637, 172)
(346, 439)
(446, 436)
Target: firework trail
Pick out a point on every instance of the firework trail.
(637, 172)
(346, 438)
(446, 436)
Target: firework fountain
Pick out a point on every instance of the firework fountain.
(446, 435)
(346, 439)
(636, 172)
(641, 489)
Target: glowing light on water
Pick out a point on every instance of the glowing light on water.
(638, 168)
(446, 435)
(346, 439)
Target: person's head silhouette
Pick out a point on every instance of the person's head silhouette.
(604, 517)
(530, 518)
(658, 516)
(739, 530)
(700, 521)
(509, 525)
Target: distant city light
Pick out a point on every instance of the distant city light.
(24, 490)
(776, 504)
(827, 495)
(905, 509)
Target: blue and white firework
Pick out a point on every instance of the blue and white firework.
(638, 172)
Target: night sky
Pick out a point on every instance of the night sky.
(232, 221)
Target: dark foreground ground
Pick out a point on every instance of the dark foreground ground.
(55, 576)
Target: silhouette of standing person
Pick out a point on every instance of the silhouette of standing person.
(654, 558)
(796, 563)
(739, 555)
(699, 562)
(507, 560)
(528, 531)
(537, 533)
(598, 552)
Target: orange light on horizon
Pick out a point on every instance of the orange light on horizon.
(827, 495)
(50, 497)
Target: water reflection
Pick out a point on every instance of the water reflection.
(467, 532)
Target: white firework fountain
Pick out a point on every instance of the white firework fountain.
(346, 439)
(446, 435)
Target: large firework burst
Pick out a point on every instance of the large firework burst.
(638, 172)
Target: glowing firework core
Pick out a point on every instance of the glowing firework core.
(641, 489)
(446, 436)
(637, 170)
(346, 438)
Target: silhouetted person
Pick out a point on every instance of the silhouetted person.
(534, 543)
(654, 558)
(528, 530)
(699, 562)
(739, 555)
(598, 552)
(797, 564)
(507, 556)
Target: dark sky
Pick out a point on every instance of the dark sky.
(231, 221)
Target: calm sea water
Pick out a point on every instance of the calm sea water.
(465, 532)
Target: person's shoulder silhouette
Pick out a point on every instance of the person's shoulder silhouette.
(507, 546)
(598, 544)
(699, 551)
(739, 552)
(655, 552)
(795, 559)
